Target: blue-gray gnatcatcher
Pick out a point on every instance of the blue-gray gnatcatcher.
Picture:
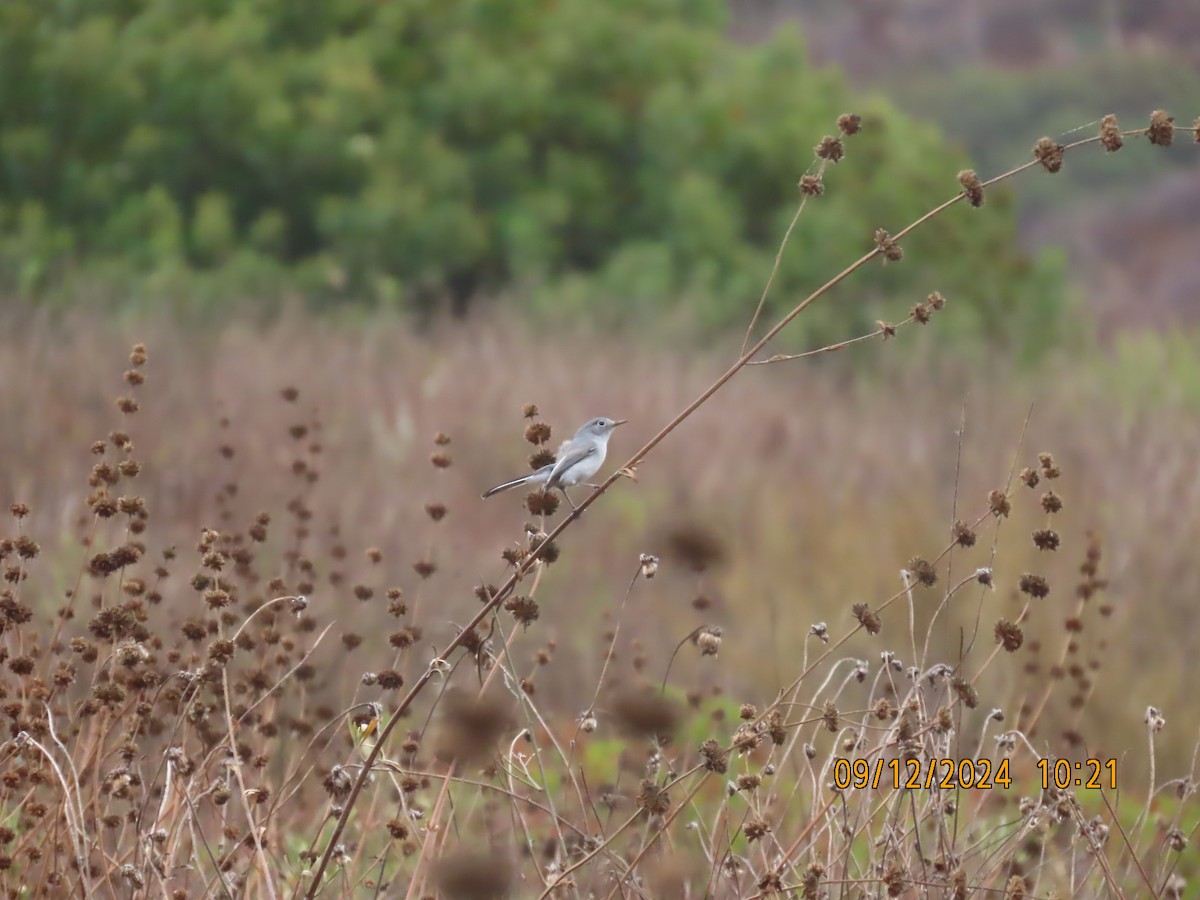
(577, 460)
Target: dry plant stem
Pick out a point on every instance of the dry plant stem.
(531, 714)
(79, 838)
(77, 794)
(607, 657)
(828, 348)
(661, 830)
(269, 692)
(591, 855)
(958, 455)
(260, 854)
(417, 881)
(787, 236)
(1047, 692)
(1128, 846)
(674, 653)
(523, 567)
(1099, 857)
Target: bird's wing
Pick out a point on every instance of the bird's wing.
(569, 457)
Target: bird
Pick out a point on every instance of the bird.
(578, 459)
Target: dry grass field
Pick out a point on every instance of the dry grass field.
(239, 555)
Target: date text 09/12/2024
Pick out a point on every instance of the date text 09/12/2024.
(978, 774)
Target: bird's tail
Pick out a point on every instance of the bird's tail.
(508, 485)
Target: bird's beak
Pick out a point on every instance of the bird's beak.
(619, 422)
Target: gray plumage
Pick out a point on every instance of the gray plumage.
(577, 460)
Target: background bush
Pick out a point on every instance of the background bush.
(589, 159)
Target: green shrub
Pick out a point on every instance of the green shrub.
(604, 159)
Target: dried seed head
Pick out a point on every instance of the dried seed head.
(849, 123)
(811, 186)
(542, 503)
(775, 727)
(812, 881)
(131, 653)
(652, 798)
(547, 550)
(830, 717)
(868, 619)
(1047, 465)
(529, 410)
(1049, 153)
(972, 187)
(963, 535)
(543, 457)
(1162, 128)
(1046, 539)
(1010, 635)
(888, 246)
(1051, 502)
(830, 148)
(715, 757)
(923, 571)
(1034, 585)
(537, 433)
(709, 641)
(749, 781)
(1030, 477)
(999, 503)
(397, 829)
(920, 314)
(1110, 134)
(649, 566)
(887, 329)
(755, 829)
(523, 609)
(338, 783)
(220, 651)
(966, 691)
(130, 873)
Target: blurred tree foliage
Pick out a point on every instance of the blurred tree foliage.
(617, 159)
